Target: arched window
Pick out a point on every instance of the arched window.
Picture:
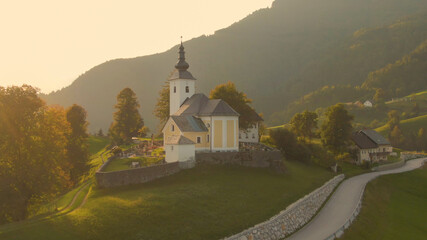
(174, 89)
(172, 128)
(187, 89)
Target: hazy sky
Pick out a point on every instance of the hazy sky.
(49, 43)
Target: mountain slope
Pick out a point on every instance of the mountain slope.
(267, 55)
(404, 76)
(367, 49)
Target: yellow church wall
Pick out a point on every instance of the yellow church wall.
(230, 133)
(193, 137)
(218, 133)
(168, 129)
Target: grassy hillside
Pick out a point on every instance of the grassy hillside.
(207, 202)
(394, 207)
(97, 143)
(275, 55)
(408, 125)
(97, 146)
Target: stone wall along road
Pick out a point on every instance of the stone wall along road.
(293, 217)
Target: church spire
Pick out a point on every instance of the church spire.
(181, 65)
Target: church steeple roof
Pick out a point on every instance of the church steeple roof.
(181, 67)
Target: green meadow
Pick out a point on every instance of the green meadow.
(394, 207)
(206, 202)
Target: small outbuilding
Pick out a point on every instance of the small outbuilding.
(368, 103)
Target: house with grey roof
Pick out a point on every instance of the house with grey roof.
(371, 146)
(197, 123)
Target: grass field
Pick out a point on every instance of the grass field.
(394, 207)
(408, 125)
(97, 143)
(124, 163)
(206, 202)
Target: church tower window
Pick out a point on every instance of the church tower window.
(174, 89)
(187, 89)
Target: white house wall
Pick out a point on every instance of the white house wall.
(250, 135)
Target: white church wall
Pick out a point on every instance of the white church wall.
(180, 153)
(172, 153)
(186, 152)
(178, 93)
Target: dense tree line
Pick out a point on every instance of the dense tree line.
(42, 150)
(335, 135)
(405, 76)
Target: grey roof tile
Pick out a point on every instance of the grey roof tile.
(201, 105)
(368, 138)
(178, 140)
(376, 137)
(189, 123)
(177, 74)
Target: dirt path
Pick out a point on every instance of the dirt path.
(75, 198)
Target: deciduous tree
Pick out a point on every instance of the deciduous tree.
(396, 136)
(336, 130)
(303, 124)
(33, 159)
(287, 142)
(161, 110)
(237, 100)
(393, 119)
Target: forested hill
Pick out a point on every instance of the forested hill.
(405, 76)
(367, 49)
(275, 55)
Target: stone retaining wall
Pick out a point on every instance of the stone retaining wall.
(134, 176)
(293, 217)
(405, 156)
(259, 159)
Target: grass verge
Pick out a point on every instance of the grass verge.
(394, 207)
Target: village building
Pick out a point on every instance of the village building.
(368, 103)
(371, 146)
(251, 135)
(197, 123)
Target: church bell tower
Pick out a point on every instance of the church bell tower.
(181, 83)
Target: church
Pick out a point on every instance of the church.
(197, 123)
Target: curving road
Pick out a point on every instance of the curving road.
(342, 203)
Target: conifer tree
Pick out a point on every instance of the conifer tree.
(127, 120)
(77, 148)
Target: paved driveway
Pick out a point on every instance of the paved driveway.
(343, 202)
